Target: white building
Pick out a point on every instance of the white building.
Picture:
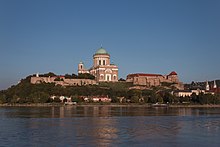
(102, 69)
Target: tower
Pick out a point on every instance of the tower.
(207, 86)
(214, 86)
(81, 68)
(173, 77)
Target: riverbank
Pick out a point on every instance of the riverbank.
(108, 104)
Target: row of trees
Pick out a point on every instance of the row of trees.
(80, 76)
(25, 92)
(68, 76)
(165, 96)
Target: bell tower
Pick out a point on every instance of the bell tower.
(81, 68)
(215, 85)
(207, 86)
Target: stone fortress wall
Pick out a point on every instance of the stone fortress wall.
(150, 80)
(63, 82)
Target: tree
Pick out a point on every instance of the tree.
(67, 76)
(58, 79)
(134, 99)
(121, 80)
(167, 97)
(152, 98)
(194, 98)
(40, 97)
(73, 76)
(176, 99)
(202, 99)
(159, 98)
(217, 99)
(116, 99)
(3, 99)
(185, 99)
(134, 95)
(86, 76)
(76, 99)
(14, 99)
(146, 99)
(50, 74)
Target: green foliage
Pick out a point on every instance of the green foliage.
(50, 74)
(80, 76)
(135, 99)
(40, 97)
(2, 98)
(167, 84)
(115, 99)
(75, 98)
(149, 96)
(194, 98)
(205, 99)
(15, 99)
(86, 76)
(25, 92)
(135, 95)
(217, 99)
(152, 99)
(58, 79)
(185, 99)
(168, 97)
(116, 86)
(73, 76)
(159, 99)
(176, 100)
(146, 98)
(121, 80)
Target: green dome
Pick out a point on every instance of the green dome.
(101, 51)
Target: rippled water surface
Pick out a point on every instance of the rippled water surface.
(109, 126)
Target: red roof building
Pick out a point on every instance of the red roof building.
(173, 73)
(145, 79)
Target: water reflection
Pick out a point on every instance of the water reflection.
(102, 111)
(109, 126)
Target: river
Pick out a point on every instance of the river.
(109, 126)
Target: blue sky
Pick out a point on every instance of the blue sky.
(149, 36)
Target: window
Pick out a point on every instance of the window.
(103, 62)
(81, 66)
(99, 62)
(102, 77)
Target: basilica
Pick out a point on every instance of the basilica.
(102, 68)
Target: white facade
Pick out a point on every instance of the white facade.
(101, 69)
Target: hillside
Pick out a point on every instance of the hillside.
(25, 92)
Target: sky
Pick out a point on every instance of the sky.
(142, 36)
